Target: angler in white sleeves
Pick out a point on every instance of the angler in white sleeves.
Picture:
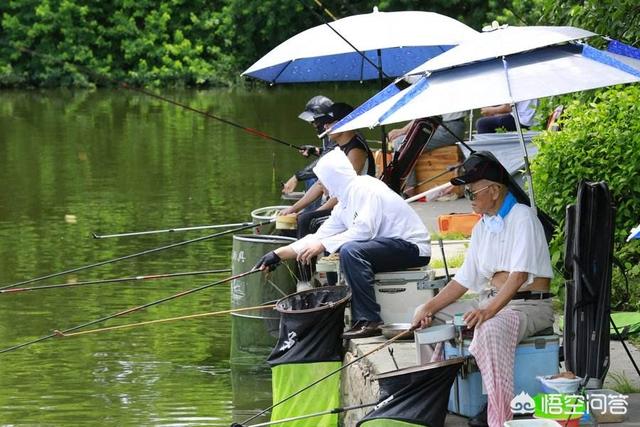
(374, 230)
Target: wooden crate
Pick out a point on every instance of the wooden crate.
(435, 162)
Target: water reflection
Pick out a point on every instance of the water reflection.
(119, 161)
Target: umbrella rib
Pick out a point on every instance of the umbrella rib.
(281, 71)
(343, 38)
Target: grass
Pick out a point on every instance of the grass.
(452, 262)
(450, 235)
(622, 385)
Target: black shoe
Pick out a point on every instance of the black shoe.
(363, 329)
(480, 420)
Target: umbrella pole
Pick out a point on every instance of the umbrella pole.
(527, 170)
(382, 130)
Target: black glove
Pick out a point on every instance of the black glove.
(310, 150)
(269, 260)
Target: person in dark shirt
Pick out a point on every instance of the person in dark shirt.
(358, 152)
(317, 105)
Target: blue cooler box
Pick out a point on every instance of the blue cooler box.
(535, 356)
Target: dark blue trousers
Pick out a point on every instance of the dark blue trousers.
(491, 123)
(360, 261)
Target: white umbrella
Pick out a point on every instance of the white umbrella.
(327, 52)
(509, 79)
(484, 46)
(504, 41)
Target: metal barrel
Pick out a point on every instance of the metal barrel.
(253, 334)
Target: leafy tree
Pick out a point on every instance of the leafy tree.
(167, 42)
(599, 141)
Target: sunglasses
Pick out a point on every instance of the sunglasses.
(471, 195)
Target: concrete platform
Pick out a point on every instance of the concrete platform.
(359, 385)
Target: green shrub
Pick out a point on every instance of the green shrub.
(599, 141)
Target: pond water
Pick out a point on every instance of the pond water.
(105, 161)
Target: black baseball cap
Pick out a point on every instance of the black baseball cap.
(481, 165)
(337, 111)
(315, 106)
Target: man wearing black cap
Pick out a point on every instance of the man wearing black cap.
(353, 145)
(508, 266)
(317, 105)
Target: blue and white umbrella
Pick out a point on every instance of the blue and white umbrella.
(506, 79)
(327, 52)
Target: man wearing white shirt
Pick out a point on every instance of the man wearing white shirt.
(507, 264)
(503, 116)
(374, 230)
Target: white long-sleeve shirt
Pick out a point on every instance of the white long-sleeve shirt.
(366, 209)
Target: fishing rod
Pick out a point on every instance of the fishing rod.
(325, 10)
(335, 371)
(381, 74)
(87, 70)
(303, 417)
(169, 230)
(170, 319)
(149, 251)
(446, 171)
(117, 280)
(58, 333)
(359, 52)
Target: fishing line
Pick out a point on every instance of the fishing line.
(303, 269)
(335, 371)
(117, 280)
(284, 294)
(127, 311)
(325, 10)
(149, 251)
(293, 275)
(170, 319)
